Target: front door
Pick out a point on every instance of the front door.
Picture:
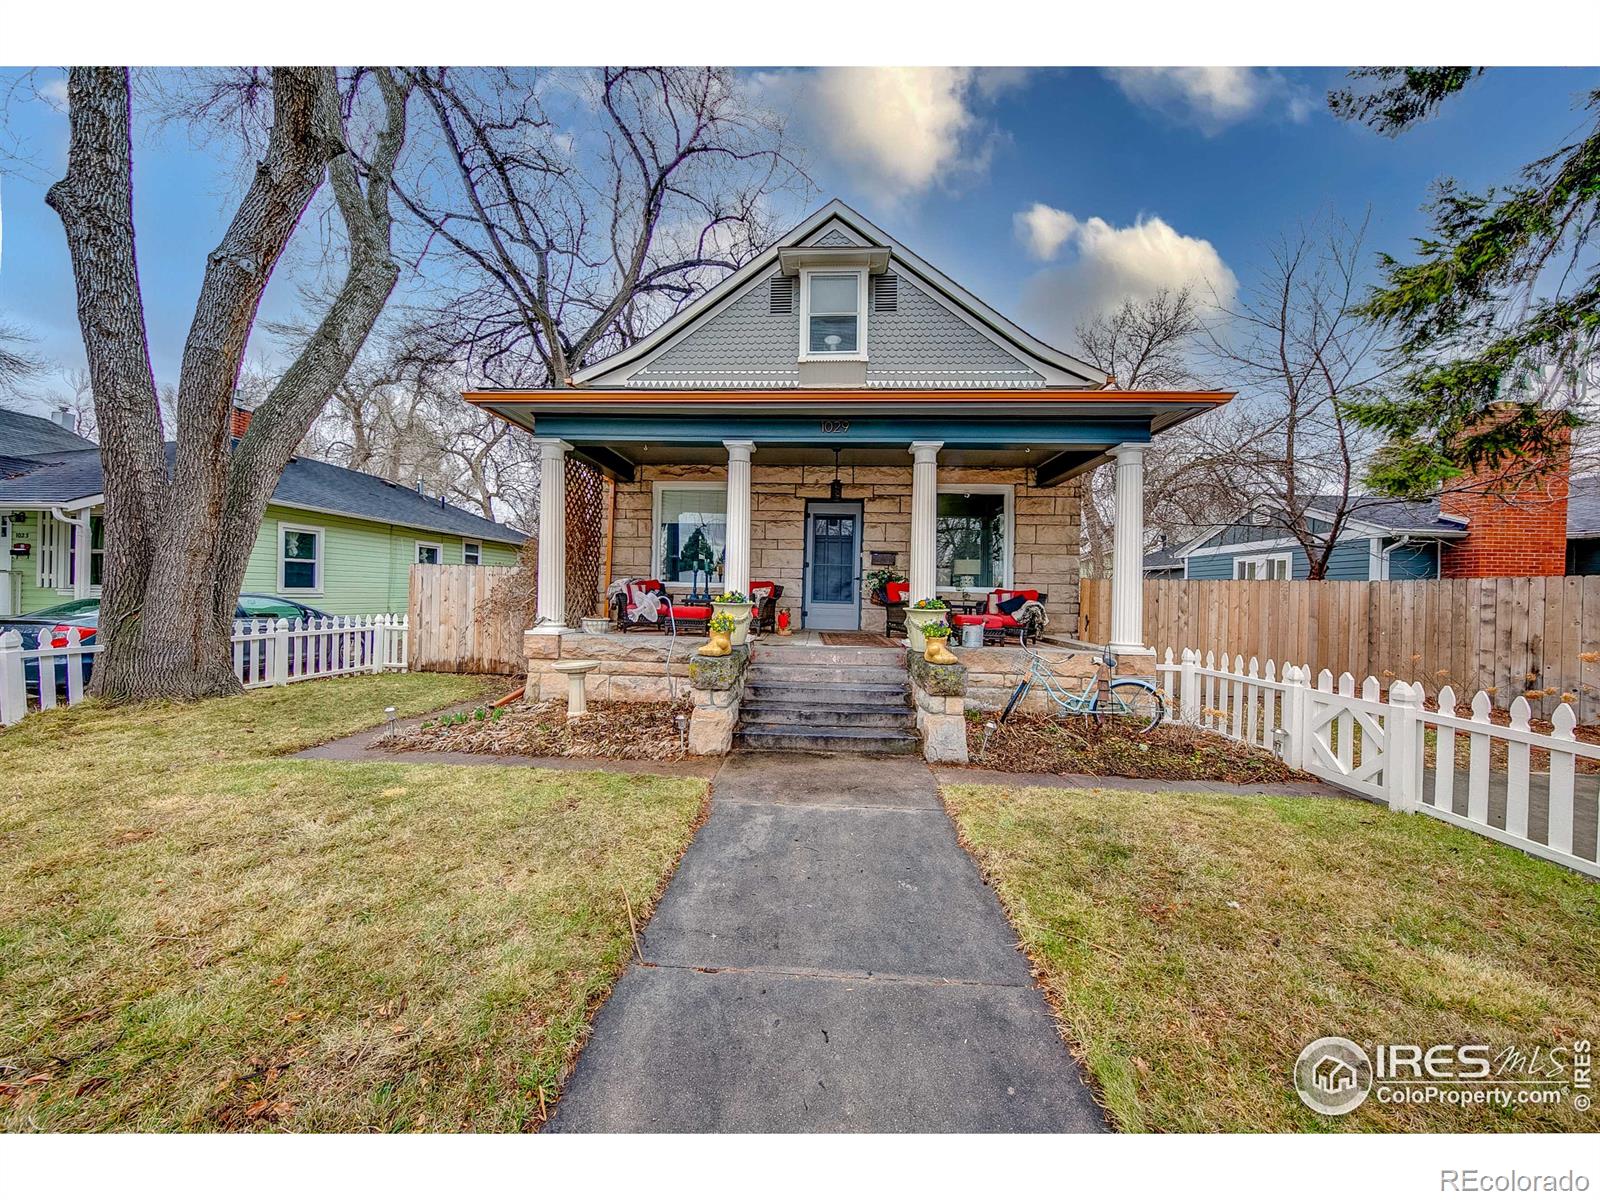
(833, 565)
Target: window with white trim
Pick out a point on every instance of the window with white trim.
(472, 553)
(691, 532)
(300, 558)
(835, 314)
(1264, 566)
(429, 554)
(972, 537)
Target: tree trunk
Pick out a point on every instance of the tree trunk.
(176, 550)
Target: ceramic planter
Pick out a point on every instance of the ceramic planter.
(916, 618)
(717, 647)
(938, 651)
(741, 620)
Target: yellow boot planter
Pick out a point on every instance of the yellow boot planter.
(720, 645)
(938, 651)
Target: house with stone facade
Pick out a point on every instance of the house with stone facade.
(837, 406)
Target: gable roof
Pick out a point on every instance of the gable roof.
(307, 483)
(23, 434)
(849, 227)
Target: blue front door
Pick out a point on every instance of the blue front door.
(833, 565)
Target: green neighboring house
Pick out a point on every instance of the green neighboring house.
(338, 540)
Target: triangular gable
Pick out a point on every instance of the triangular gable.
(733, 337)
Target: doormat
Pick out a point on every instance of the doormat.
(856, 639)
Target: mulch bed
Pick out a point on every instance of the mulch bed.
(1056, 746)
(611, 730)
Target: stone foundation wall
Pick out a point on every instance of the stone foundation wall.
(1045, 534)
(994, 672)
(633, 667)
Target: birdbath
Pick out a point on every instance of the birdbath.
(577, 699)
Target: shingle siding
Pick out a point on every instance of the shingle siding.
(922, 341)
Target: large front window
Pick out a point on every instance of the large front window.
(970, 540)
(691, 533)
(833, 314)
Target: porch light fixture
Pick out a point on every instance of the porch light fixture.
(836, 488)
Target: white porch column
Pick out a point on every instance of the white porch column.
(736, 565)
(924, 517)
(1127, 553)
(552, 535)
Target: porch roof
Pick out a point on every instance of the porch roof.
(1057, 432)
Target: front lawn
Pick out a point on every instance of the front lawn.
(1193, 944)
(197, 934)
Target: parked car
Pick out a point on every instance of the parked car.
(50, 626)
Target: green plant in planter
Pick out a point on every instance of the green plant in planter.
(880, 579)
(934, 603)
(732, 598)
(722, 622)
(939, 630)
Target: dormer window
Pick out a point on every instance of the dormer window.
(835, 314)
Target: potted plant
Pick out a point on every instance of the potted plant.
(737, 608)
(721, 628)
(878, 582)
(937, 637)
(924, 612)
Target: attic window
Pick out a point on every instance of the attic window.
(885, 292)
(780, 297)
(834, 303)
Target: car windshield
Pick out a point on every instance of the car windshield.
(271, 606)
(72, 610)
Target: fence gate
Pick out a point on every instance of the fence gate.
(1345, 735)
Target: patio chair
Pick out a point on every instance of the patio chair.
(998, 619)
(892, 599)
(765, 594)
(628, 610)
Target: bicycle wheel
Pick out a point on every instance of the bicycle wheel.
(1016, 699)
(1129, 706)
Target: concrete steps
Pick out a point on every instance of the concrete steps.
(828, 699)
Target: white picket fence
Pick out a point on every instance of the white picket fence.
(266, 653)
(1376, 745)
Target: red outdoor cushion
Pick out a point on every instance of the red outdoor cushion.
(1000, 594)
(896, 593)
(760, 589)
(691, 612)
(987, 620)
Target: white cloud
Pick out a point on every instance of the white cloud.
(897, 131)
(1044, 230)
(1212, 98)
(1110, 264)
(54, 93)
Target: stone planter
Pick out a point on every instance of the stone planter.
(916, 618)
(741, 620)
(593, 625)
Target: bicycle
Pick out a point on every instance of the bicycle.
(1126, 704)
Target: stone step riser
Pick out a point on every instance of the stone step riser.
(824, 694)
(824, 740)
(883, 718)
(829, 656)
(785, 674)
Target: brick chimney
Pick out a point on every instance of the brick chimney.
(1516, 517)
(239, 420)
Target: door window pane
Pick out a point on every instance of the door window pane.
(692, 533)
(833, 560)
(970, 540)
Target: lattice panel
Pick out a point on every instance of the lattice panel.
(586, 532)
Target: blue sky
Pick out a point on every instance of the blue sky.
(1141, 179)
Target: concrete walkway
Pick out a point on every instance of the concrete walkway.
(827, 958)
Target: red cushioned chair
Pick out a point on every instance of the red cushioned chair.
(764, 594)
(892, 599)
(685, 618)
(997, 624)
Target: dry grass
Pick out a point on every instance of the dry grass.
(1193, 944)
(198, 935)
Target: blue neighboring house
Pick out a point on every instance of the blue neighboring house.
(1382, 539)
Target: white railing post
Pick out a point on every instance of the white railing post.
(278, 654)
(374, 641)
(1402, 747)
(1189, 688)
(13, 690)
(1296, 687)
(74, 666)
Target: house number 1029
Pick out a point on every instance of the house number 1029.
(836, 426)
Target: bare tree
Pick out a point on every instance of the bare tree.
(588, 206)
(17, 359)
(1150, 343)
(1297, 349)
(178, 536)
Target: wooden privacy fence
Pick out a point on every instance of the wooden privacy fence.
(1537, 638)
(468, 619)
